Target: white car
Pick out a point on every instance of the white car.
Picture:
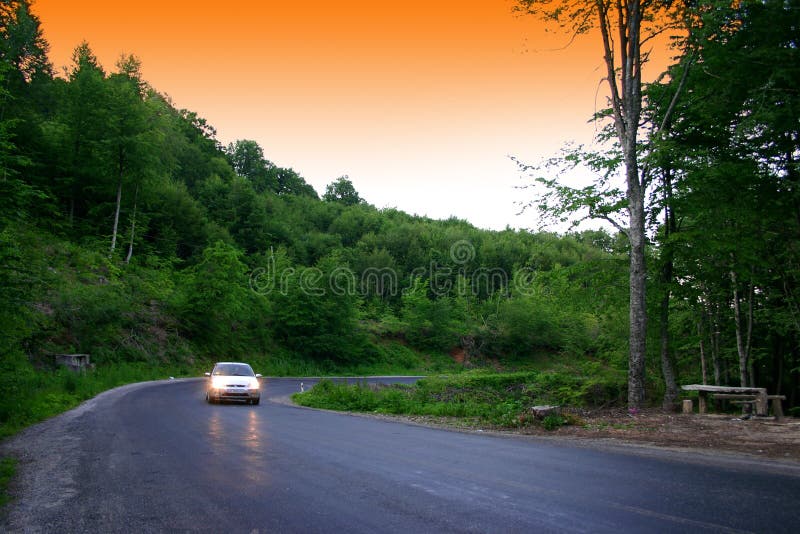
(233, 381)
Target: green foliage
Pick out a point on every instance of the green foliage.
(552, 422)
(314, 317)
(214, 298)
(491, 398)
(398, 356)
(8, 468)
(430, 323)
(22, 44)
(279, 361)
(729, 156)
(14, 316)
(247, 158)
(342, 191)
(33, 395)
(354, 222)
(91, 317)
(327, 394)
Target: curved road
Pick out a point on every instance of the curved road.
(155, 457)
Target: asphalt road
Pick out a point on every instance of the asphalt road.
(156, 457)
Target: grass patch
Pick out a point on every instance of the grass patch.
(8, 467)
(499, 399)
(552, 422)
(33, 396)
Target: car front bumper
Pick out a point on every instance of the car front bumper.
(234, 394)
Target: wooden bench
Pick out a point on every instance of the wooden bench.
(758, 396)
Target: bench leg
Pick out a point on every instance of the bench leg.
(777, 409)
(761, 405)
(701, 402)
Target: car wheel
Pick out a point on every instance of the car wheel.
(209, 399)
(255, 401)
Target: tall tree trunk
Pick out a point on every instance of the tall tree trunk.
(638, 305)
(795, 377)
(777, 358)
(740, 345)
(624, 78)
(714, 322)
(76, 156)
(116, 219)
(667, 370)
(120, 175)
(703, 366)
(749, 339)
(670, 226)
(133, 226)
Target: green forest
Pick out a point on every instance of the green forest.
(130, 233)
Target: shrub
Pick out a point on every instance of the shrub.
(394, 401)
(553, 421)
(332, 396)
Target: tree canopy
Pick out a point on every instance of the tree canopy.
(342, 191)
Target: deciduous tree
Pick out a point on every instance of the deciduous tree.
(343, 191)
(623, 27)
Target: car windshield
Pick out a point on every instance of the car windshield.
(233, 369)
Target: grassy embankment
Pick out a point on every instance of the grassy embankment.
(477, 398)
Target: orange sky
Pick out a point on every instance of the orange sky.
(419, 102)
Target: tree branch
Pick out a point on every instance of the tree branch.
(611, 77)
(674, 101)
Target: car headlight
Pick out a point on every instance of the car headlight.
(253, 383)
(218, 382)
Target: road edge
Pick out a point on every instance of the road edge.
(686, 455)
(47, 455)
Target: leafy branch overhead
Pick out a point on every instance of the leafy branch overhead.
(559, 203)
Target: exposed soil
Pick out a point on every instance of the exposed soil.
(459, 355)
(759, 436)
